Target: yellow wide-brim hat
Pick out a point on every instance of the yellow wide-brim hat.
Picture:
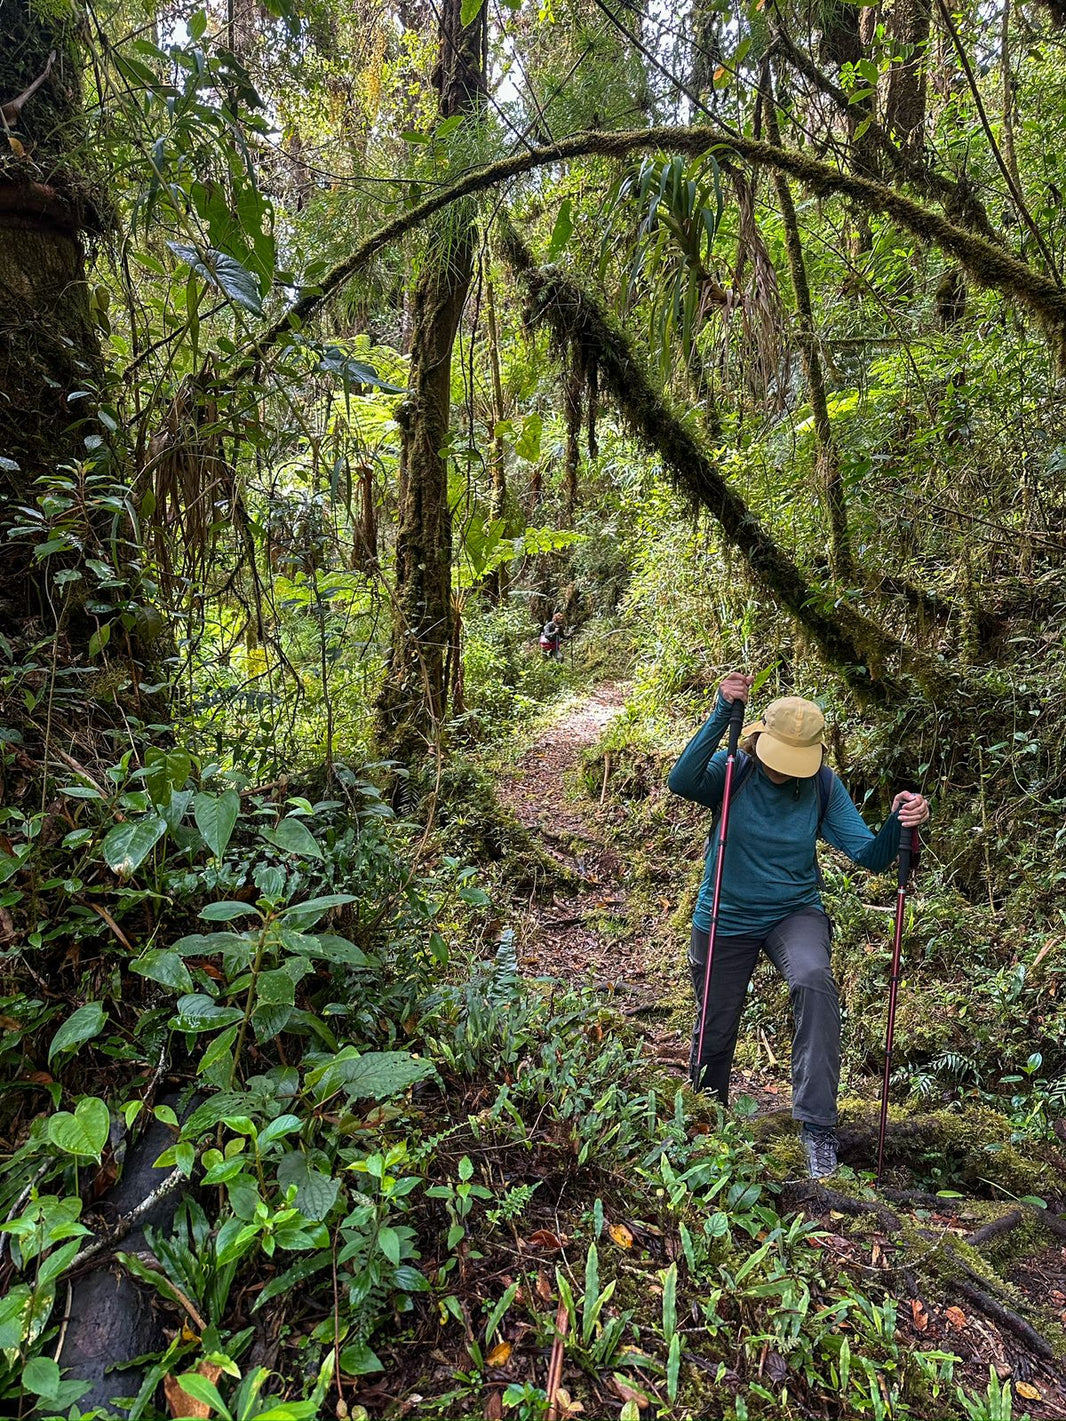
(790, 737)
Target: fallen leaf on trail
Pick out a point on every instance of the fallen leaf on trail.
(875, 1254)
(1030, 1393)
(499, 1355)
(621, 1235)
(627, 1392)
(955, 1316)
(544, 1238)
(918, 1312)
(179, 1400)
(493, 1409)
(564, 1406)
(544, 1288)
(835, 1214)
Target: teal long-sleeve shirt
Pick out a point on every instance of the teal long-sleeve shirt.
(770, 869)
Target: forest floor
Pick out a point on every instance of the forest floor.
(610, 933)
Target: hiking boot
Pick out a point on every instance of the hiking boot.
(820, 1144)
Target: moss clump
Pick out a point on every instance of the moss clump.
(471, 824)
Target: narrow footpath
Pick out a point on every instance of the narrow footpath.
(593, 935)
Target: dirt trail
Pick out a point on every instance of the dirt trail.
(588, 936)
(594, 935)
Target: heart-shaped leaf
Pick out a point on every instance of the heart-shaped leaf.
(128, 845)
(84, 1133)
(294, 837)
(224, 272)
(215, 816)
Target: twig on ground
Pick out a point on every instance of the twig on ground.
(1006, 1317)
(127, 1223)
(555, 1366)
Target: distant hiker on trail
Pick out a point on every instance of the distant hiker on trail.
(551, 637)
(783, 798)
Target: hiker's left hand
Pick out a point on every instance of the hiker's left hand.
(913, 809)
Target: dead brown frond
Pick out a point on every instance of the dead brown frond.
(186, 484)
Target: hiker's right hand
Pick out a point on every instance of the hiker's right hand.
(736, 687)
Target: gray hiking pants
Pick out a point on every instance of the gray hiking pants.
(798, 946)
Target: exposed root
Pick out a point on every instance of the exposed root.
(1005, 1317)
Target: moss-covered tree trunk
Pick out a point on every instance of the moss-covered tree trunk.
(414, 696)
(906, 93)
(48, 344)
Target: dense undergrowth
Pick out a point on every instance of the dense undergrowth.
(433, 1175)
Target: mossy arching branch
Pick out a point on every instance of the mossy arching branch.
(828, 461)
(988, 264)
(850, 641)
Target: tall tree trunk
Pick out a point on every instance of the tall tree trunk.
(48, 343)
(905, 96)
(496, 582)
(414, 696)
(1007, 78)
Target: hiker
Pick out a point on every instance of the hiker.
(551, 637)
(783, 799)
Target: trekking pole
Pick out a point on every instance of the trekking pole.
(908, 860)
(736, 721)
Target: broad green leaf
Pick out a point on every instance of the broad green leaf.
(164, 967)
(205, 1117)
(336, 361)
(226, 911)
(294, 837)
(277, 1129)
(563, 229)
(357, 1360)
(197, 1012)
(82, 1025)
(84, 1133)
(127, 845)
(316, 1193)
(41, 1375)
(275, 987)
(206, 944)
(373, 1076)
(165, 772)
(196, 1385)
(223, 272)
(318, 905)
(337, 949)
(527, 446)
(469, 11)
(270, 1019)
(215, 816)
(389, 1243)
